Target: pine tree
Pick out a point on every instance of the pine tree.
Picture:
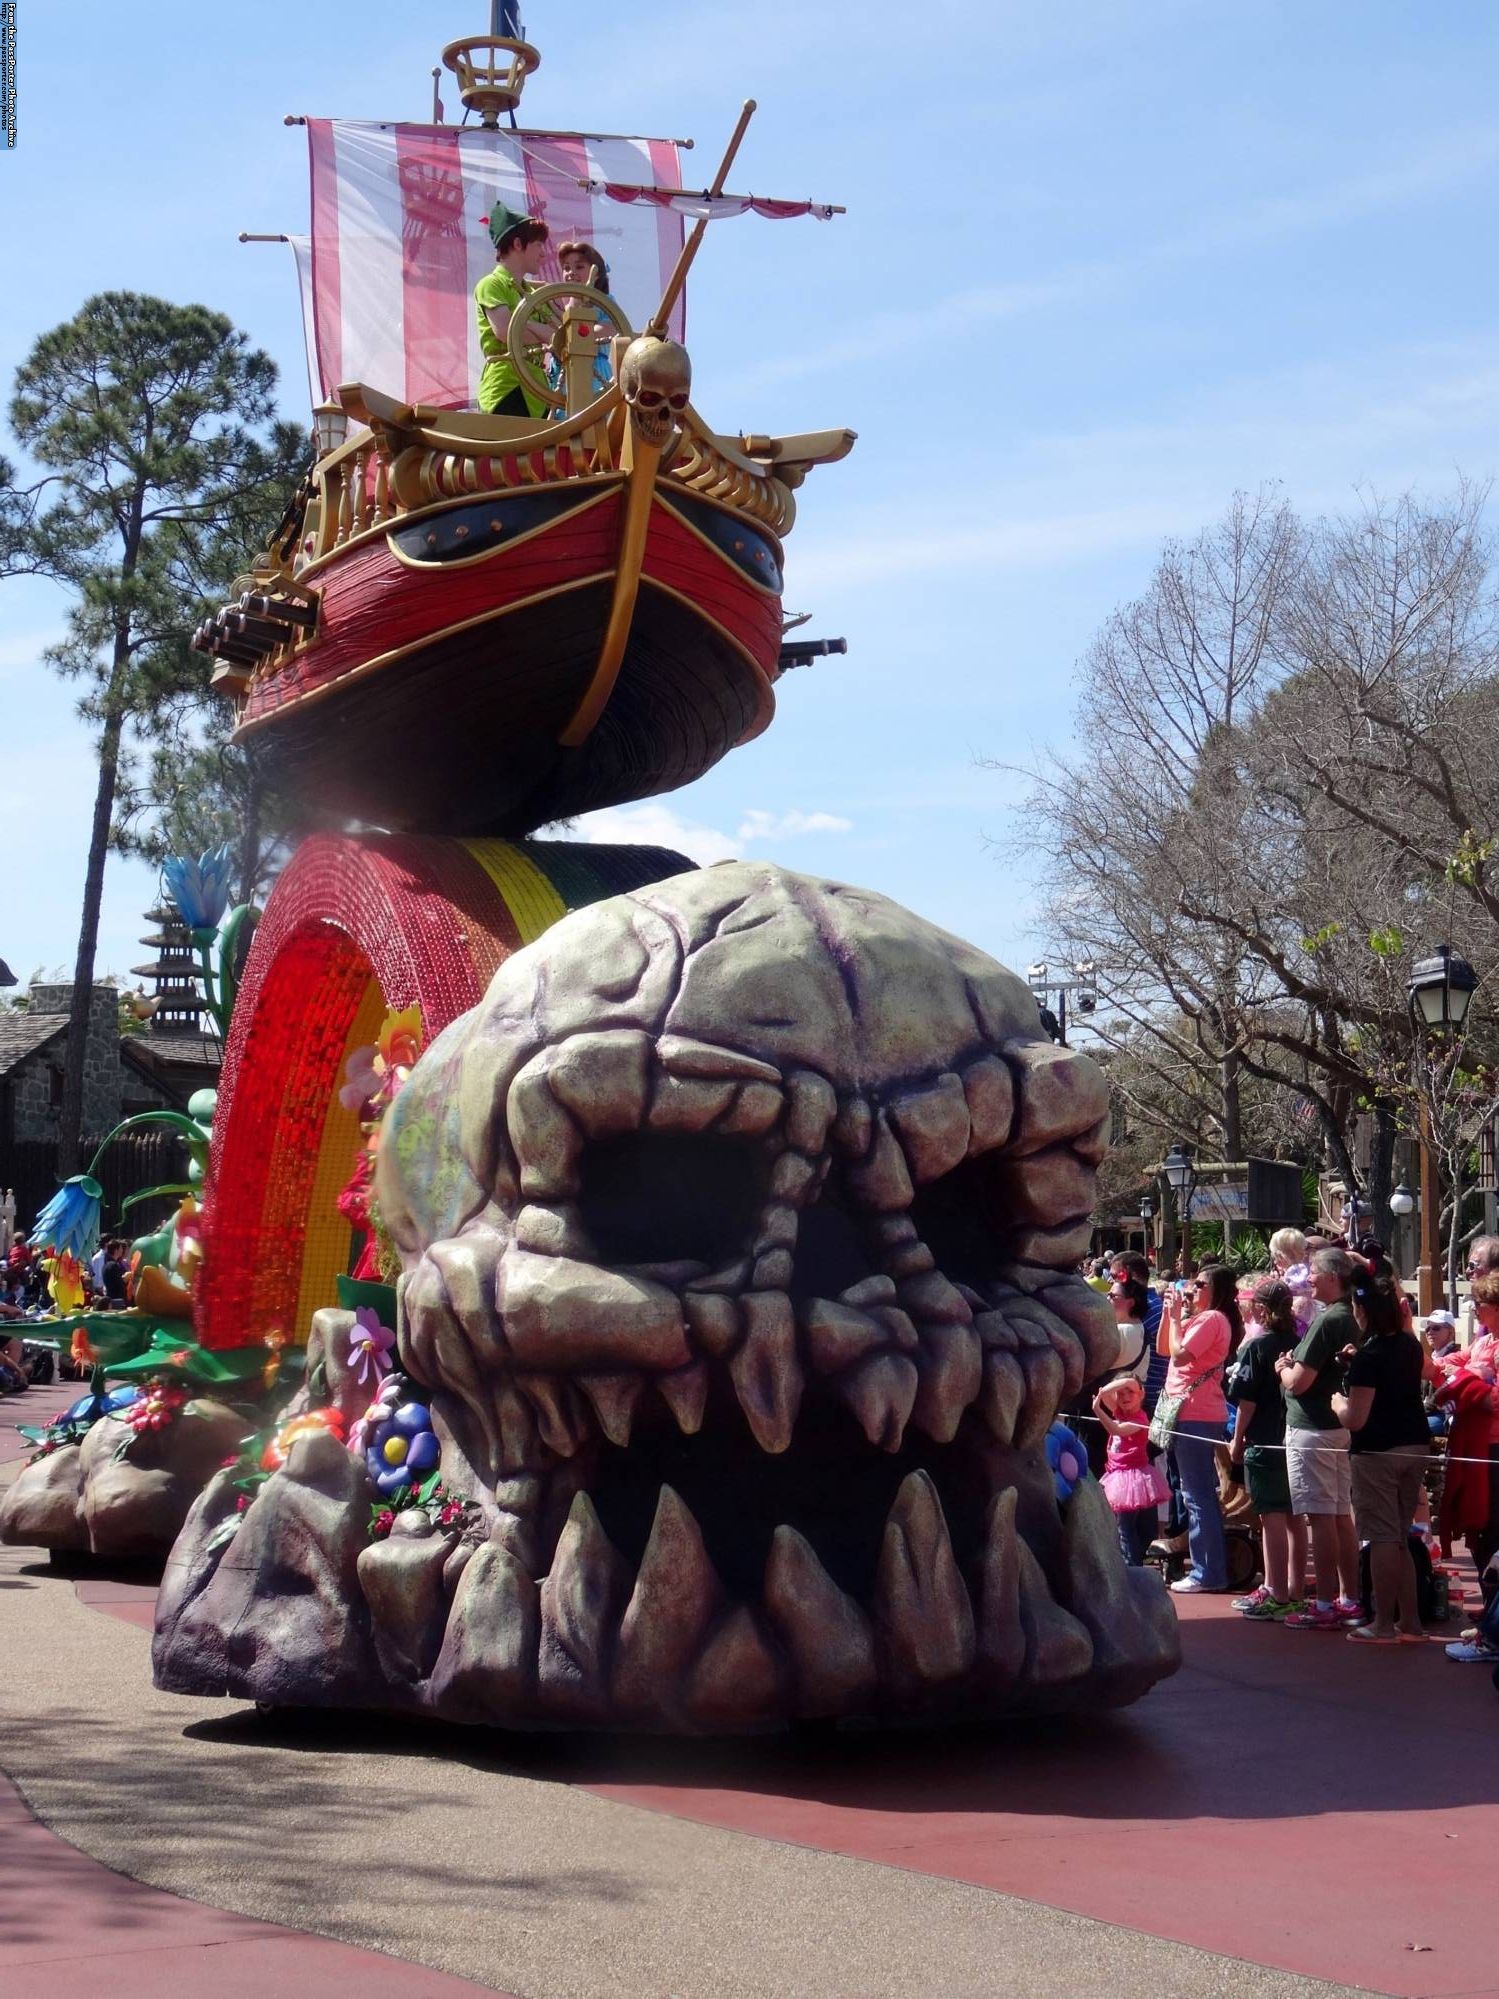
(151, 424)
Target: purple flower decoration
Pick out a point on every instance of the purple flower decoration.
(403, 1450)
(369, 1348)
(362, 1079)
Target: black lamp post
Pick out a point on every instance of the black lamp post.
(1147, 1221)
(1439, 993)
(1038, 977)
(1181, 1177)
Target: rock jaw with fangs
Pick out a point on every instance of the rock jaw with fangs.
(737, 1227)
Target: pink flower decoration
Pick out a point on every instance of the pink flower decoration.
(363, 1079)
(369, 1347)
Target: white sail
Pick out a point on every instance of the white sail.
(399, 241)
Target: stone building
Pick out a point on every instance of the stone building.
(157, 1067)
(32, 1045)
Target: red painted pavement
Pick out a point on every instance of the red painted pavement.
(74, 1929)
(1288, 1798)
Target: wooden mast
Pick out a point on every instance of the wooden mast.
(640, 462)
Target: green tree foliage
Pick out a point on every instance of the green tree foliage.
(152, 427)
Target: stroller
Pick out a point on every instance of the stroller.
(39, 1362)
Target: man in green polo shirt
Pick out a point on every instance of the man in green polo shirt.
(520, 242)
(1316, 1454)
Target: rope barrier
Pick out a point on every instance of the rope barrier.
(1446, 1457)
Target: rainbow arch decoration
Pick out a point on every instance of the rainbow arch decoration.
(353, 928)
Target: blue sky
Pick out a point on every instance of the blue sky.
(1102, 265)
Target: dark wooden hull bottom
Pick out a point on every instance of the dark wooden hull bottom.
(461, 738)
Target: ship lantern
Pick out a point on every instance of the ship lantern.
(491, 72)
(332, 425)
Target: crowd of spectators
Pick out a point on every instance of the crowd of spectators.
(1303, 1402)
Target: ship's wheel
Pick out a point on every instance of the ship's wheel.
(528, 313)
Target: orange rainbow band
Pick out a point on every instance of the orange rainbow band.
(353, 928)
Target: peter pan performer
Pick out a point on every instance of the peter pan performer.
(520, 242)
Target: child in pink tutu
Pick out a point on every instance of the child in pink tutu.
(1133, 1486)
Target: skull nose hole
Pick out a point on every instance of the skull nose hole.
(830, 1253)
(960, 1218)
(657, 1197)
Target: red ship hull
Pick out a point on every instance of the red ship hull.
(450, 654)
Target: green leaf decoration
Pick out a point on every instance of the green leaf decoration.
(150, 1193)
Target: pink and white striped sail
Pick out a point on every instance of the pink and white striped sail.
(399, 241)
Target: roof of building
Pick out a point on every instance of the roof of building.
(22, 1034)
(177, 1062)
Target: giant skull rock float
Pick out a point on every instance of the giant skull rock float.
(738, 1225)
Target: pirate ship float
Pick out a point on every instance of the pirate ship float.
(535, 617)
(679, 1421)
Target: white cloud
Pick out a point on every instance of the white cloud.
(758, 825)
(656, 825)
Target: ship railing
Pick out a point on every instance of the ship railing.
(412, 458)
(409, 458)
(705, 464)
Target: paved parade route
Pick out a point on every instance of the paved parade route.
(1288, 1809)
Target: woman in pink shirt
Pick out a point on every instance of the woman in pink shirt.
(1200, 1335)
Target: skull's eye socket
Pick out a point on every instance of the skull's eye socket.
(962, 1220)
(830, 1253)
(669, 1197)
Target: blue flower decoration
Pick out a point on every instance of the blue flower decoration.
(200, 888)
(89, 1408)
(1068, 1458)
(70, 1220)
(403, 1450)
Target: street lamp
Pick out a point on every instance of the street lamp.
(1083, 984)
(1147, 1222)
(1439, 992)
(1402, 1202)
(1181, 1177)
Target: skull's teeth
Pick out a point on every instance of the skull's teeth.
(829, 1638)
(669, 1644)
(922, 1610)
(676, 1595)
(614, 1398)
(581, 1602)
(562, 1423)
(685, 1393)
(880, 1391)
(1044, 1377)
(765, 1371)
(1002, 1395)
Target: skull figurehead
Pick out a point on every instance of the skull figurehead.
(655, 379)
(750, 1301)
(738, 1227)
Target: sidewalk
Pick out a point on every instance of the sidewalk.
(71, 1929)
(1289, 1809)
